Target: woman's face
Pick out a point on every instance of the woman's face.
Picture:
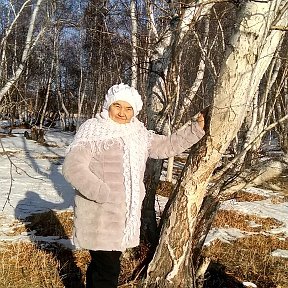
(121, 112)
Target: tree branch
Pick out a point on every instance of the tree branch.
(280, 28)
(227, 167)
(11, 174)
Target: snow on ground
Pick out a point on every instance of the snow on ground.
(264, 208)
(33, 182)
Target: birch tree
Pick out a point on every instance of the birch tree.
(31, 40)
(163, 89)
(261, 113)
(133, 44)
(282, 109)
(249, 53)
(3, 43)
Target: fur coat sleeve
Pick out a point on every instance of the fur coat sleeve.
(77, 172)
(167, 146)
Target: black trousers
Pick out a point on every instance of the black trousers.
(103, 270)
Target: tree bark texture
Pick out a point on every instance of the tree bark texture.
(160, 96)
(243, 67)
(133, 44)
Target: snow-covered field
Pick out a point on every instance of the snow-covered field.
(31, 181)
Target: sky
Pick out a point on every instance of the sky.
(31, 181)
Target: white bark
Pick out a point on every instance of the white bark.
(7, 33)
(151, 24)
(81, 97)
(254, 62)
(26, 52)
(134, 44)
(61, 103)
(199, 75)
(161, 60)
(241, 72)
(48, 87)
(170, 164)
(259, 110)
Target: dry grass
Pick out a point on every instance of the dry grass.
(250, 259)
(132, 265)
(17, 228)
(51, 223)
(250, 223)
(41, 265)
(46, 224)
(23, 265)
(165, 188)
(9, 153)
(280, 183)
(36, 265)
(243, 196)
(6, 135)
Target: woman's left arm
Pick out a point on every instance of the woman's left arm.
(167, 146)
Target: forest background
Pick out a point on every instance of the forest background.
(227, 58)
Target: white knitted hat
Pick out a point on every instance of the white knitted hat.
(125, 93)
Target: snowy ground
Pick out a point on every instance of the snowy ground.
(31, 181)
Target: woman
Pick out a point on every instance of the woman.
(105, 164)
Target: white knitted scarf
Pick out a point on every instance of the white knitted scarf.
(100, 133)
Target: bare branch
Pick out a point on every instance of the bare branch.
(26, 52)
(280, 28)
(8, 31)
(17, 169)
(218, 175)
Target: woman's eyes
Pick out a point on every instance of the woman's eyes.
(126, 108)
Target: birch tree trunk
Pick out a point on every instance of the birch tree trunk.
(282, 110)
(50, 78)
(243, 67)
(164, 63)
(133, 44)
(167, 49)
(82, 86)
(30, 42)
(179, 109)
(61, 104)
(48, 87)
(260, 115)
(3, 43)
(81, 97)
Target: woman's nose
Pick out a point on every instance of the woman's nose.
(121, 112)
